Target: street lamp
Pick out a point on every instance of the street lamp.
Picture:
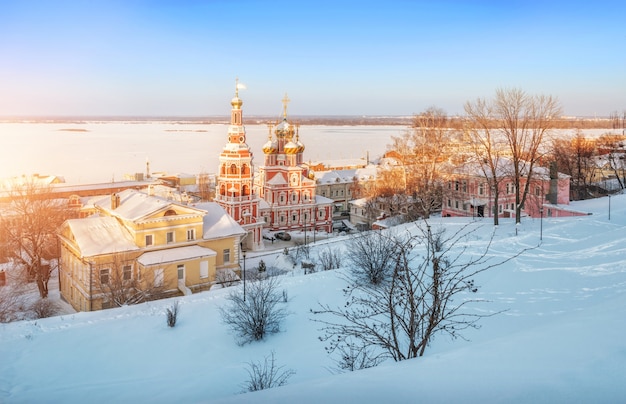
(541, 223)
(609, 206)
(244, 271)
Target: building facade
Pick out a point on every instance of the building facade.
(285, 185)
(142, 247)
(468, 193)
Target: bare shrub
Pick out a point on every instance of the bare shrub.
(354, 356)
(44, 308)
(254, 311)
(226, 277)
(172, 314)
(266, 374)
(329, 258)
(427, 294)
(372, 256)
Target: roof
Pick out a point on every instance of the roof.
(217, 223)
(322, 200)
(277, 179)
(135, 205)
(100, 235)
(174, 254)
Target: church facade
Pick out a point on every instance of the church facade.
(286, 185)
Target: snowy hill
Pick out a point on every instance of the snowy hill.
(560, 340)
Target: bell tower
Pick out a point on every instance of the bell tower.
(235, 191)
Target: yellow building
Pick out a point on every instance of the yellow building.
(140, 247)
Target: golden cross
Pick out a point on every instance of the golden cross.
(285, 101)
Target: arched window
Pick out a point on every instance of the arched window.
(246, 190)
(245, 169)
(233, 169)
(170, 212)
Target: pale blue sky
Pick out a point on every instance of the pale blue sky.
(180, 58)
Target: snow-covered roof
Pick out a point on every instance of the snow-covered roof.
(361, 202)
(100, 235)
(322, 200)
(174, 255)
(217, 223)
(277, 179)
(135, 205)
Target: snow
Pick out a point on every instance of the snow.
(561, 338)
(100, 235)
(216, 223)
(175, 254)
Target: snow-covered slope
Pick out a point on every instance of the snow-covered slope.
(560, 340)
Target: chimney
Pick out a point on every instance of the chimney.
(115, 201)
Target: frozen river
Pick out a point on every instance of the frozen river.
(94, 152)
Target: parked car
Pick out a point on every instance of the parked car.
(281, 235)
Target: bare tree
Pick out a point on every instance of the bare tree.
(575, 157)
(120, 284)
(428, 294)
(226, 277)
(371, 256)
(204, 187)
(329, 258)
(521, 121)
(524, 119)
(614, 148)
(257, 313)
(487, 147)
(29, 229)
(13, 299)
(266, 375)
(425, 151)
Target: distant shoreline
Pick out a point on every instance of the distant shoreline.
(327, 120)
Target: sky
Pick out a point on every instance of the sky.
(558, 339)
(161, 58)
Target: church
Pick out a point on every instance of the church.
(282, 194)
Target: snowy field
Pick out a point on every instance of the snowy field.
(561, 340)
(101, 152)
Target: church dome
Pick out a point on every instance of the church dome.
(236, 102)
(299, 144)
(270, 147)
(291, 148)
(283, 128)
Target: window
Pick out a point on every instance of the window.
(481, 189)
(456, 204)
(293, 217)
(456, 185)
(181, 272)
(537, 191)
(170, 237)
(204, 269)
(127, 272)
(226, 255)
(104, 276)
(464, 186)
(158, 277)
(499, 208)
(449, 203)
(149, 240)
(191, 234)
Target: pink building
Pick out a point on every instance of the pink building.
(468, 193)
(286, 186)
